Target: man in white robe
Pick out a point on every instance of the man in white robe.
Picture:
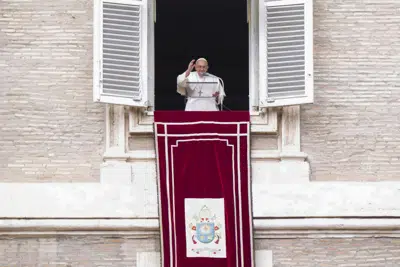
(203, 90)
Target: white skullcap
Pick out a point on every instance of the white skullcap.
(202, 59)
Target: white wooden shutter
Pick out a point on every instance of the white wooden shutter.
(120, 52)
(286, 52)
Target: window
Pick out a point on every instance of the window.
(280, 64)
(184, 32)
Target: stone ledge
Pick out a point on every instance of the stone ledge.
(141, 122)
(149, 228)
(263, 258)
(139, 199)
(255, 154)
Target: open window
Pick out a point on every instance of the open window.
(279, 56)
(216, 30)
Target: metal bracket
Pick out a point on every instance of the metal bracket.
(261, 111)
(270, 100)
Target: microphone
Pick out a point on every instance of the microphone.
(209, 74)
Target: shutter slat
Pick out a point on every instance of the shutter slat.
(121, 11)
(121, 57)
(286, 49)
(285, 73)
(122, 52)
(284, 64)
(285, 78)
(126, 90)
(284, 33)
(122, 72)
(117, 67)
(275, 54)
(122, 45)
(121, 77)
(119, 29)
(125, 27)
(290, 91)
(121, 22)
(121, 62)
(277, 30)
(119, 6)
(287, 94)
(288, 84)
(299, 43)
(291, 68)
(285, 18)
(294, 88)
(280, 40)
(282, 23)
(120, 83)
(128, 39)
(112, 92)
(121, 49)
(285, 59)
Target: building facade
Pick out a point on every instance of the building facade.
(78, 180)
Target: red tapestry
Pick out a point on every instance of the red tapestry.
(204, 188)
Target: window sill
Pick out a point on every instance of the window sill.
(150, 155)
(141, 122)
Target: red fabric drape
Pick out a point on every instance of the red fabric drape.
(203, 157)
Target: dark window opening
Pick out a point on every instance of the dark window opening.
(216, 30)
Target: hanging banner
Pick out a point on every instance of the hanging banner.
(204, 188)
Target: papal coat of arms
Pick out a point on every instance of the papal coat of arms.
(205, 230)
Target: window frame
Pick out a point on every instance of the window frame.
(263, 120)
(263, 115)
(257, 70)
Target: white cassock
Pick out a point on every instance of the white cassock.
(199, 91)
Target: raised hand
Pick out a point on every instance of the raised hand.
(190, 67)
(216, 94)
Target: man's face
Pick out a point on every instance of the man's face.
(201, 66)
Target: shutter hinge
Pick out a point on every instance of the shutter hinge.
(270, 100)
(267, 100)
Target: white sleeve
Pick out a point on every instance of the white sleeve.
(221, 91)
(182, 83)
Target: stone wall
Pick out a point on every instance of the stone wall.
(71, 251)
(50, 128)
(351, 132)
(121, 252)
(357, 252)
